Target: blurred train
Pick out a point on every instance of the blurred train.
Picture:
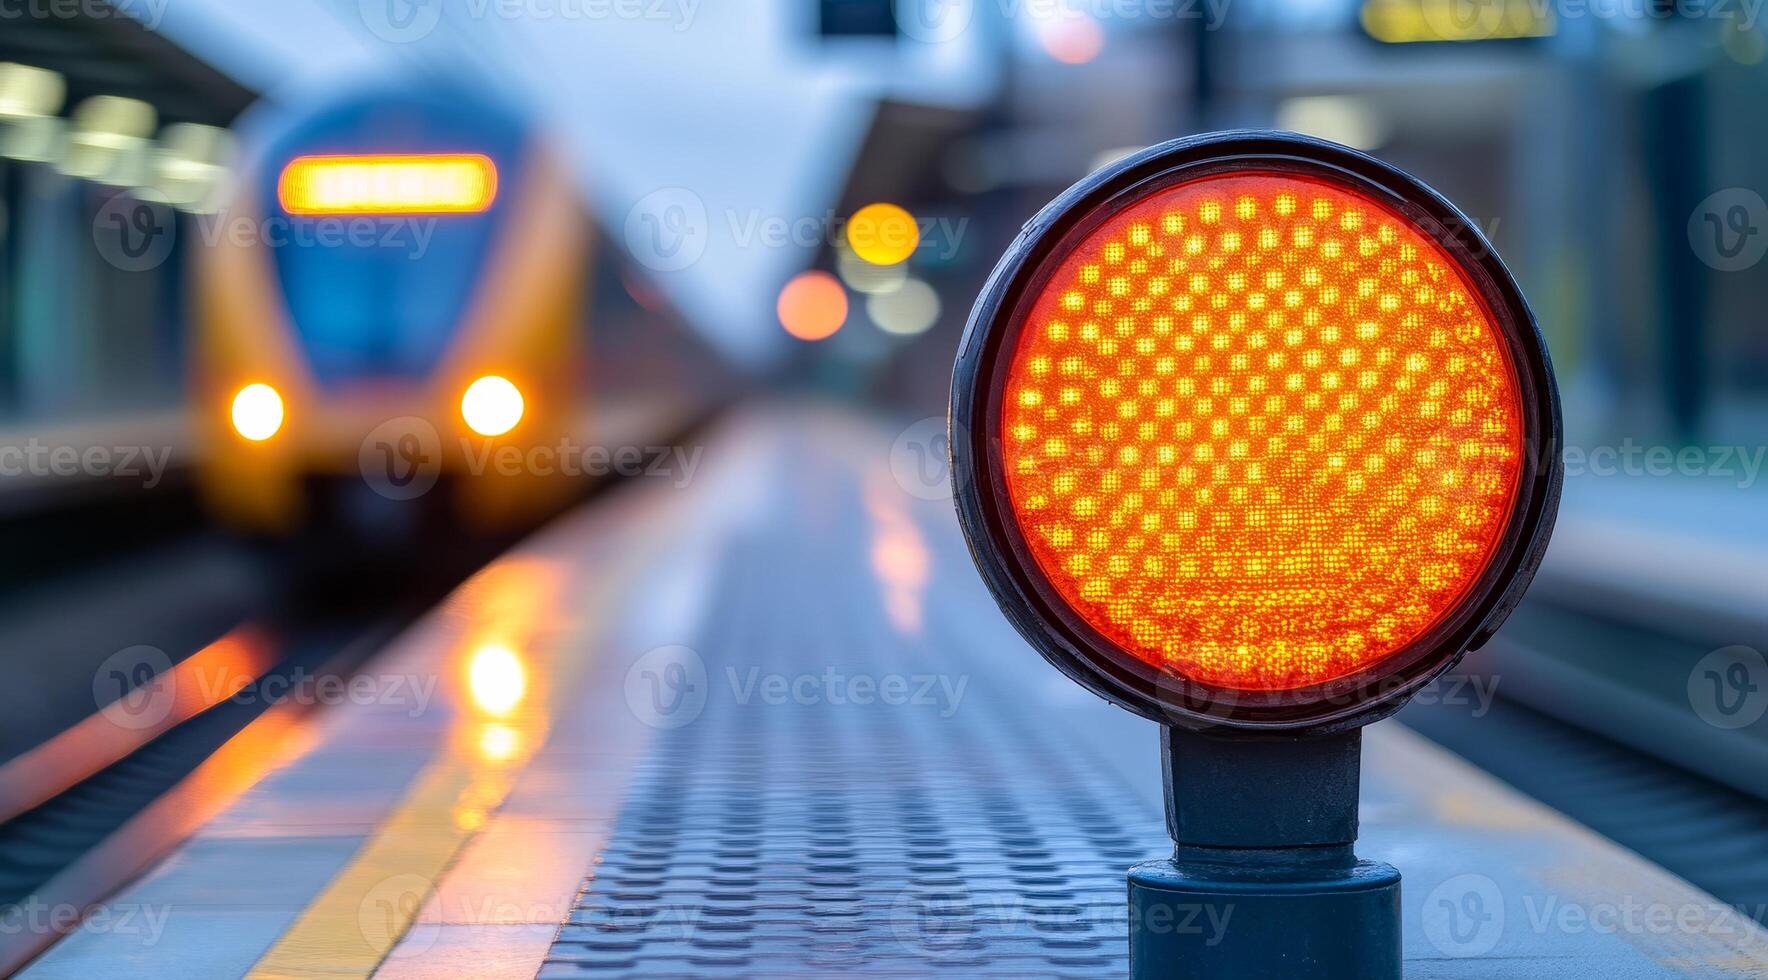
(396, 315)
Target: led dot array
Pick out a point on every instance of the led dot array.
(1260, 431)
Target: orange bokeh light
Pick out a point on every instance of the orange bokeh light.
(1072, 40)
(812, 306)
(1260, 431)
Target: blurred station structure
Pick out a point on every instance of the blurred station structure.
(732, 700)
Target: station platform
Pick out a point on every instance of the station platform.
(763, 719)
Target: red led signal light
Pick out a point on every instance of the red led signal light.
(1253, 430)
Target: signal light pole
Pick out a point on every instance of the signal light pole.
(1262, 835)
(1245, 436)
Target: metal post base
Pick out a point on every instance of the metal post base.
(1263, 881)
(1194, 921)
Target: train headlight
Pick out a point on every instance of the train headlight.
(1254, 435)
(257, 412)
(491, 405)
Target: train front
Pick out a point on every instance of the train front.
(389, 321)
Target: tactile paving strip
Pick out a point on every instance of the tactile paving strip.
(884, 839)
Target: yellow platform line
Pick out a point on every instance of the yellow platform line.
(351, 926)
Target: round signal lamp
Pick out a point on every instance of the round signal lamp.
(1253, 439)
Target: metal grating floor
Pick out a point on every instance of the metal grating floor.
(777, 839)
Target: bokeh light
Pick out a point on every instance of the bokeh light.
(865, 277)
(492, 405)
(496, 678)
(812, 305)
(908, 309)
(257, 412)
(1072, 39)
(1260, 431)
(883, 234)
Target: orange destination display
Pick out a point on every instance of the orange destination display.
(384, 184)
(1260, 430)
